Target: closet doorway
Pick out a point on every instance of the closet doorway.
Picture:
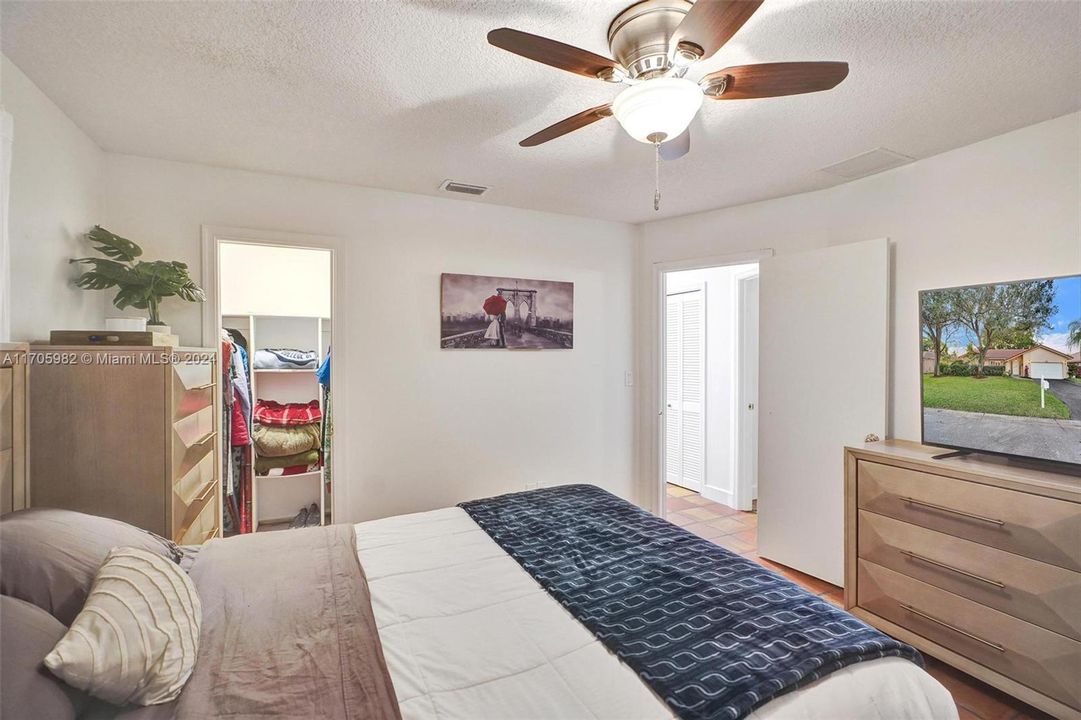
(273, 311)
(709, 386)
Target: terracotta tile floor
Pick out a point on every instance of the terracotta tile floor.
(738, 531)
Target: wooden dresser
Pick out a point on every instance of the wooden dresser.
(13, 407)
(972, 561)
(129, 433)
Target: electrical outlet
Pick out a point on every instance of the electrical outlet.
(532, 485)
(628, 378)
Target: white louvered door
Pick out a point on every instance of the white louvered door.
(685, 348)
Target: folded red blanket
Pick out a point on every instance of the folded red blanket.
(268, 412)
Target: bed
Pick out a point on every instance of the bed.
(468, 633)
(445, 614)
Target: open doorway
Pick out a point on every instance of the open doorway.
(709, 391)
(272, 312)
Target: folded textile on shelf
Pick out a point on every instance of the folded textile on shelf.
(268, 412)
(285, 359)
(294, 470)
(279, 441)
(263, 464)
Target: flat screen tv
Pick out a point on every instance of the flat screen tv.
(1000, 365)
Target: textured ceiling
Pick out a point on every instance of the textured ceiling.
(405, 94)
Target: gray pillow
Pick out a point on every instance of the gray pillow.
(27, 689)
(49, 557)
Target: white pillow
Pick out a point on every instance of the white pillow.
(136, 638)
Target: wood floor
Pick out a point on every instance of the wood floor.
(738, 531)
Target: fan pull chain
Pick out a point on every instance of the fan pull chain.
(657, 177)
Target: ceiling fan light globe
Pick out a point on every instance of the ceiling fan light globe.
(661, 106)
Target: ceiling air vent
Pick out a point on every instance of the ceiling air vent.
(463, 188)
(868, 163)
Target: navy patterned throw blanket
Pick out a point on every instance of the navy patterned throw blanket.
(715, 635)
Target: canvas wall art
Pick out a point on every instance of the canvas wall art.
(489, 313)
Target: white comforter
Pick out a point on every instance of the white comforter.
(467, 633)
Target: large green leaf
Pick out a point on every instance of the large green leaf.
(191, 292)
(112, 245)
(131, 297)
(104, 274)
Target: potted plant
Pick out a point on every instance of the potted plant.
(143, 284)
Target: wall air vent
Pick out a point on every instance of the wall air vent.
(463, 188)
(868, 163)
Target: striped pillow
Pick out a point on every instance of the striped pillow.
(136, 638)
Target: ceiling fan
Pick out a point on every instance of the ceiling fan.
(655, 43)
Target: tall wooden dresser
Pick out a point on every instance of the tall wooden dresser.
(972, 561)
(13, 450)
(129, 433)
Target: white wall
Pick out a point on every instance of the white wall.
(1005, 208)
(249, 278)
(421, 427)
(55, 198)
(722, 345)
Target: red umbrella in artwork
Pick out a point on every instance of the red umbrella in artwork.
(495, 305)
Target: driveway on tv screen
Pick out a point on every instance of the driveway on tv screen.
(1003, 414)
(1070, 394)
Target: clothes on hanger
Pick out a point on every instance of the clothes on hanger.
(236, 432)
(323, 376)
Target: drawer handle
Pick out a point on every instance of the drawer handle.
(205, 438)
(962, 513)
(204, 386)
(936, 621)
(951, 568)
(210, 487)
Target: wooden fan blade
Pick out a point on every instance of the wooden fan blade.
(574, 122)
(776, 79)
(551, 52)
(677, 147)
(709, 24)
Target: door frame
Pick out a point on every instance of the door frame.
(655, 419)
(742, 487)
(212, 237)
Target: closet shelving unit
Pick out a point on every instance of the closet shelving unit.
(277, 498)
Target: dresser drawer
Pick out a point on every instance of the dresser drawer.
(7, 481)
(1041, 659)
(192, 438)
(7, 408)
(190, 486)
(193, 387)
(1043, 594)
(1031, 525)
(204, 526)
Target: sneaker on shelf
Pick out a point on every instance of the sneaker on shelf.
(301, 519)
(313, 516)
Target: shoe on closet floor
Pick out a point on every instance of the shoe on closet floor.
(313, 516)
(301, 519)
